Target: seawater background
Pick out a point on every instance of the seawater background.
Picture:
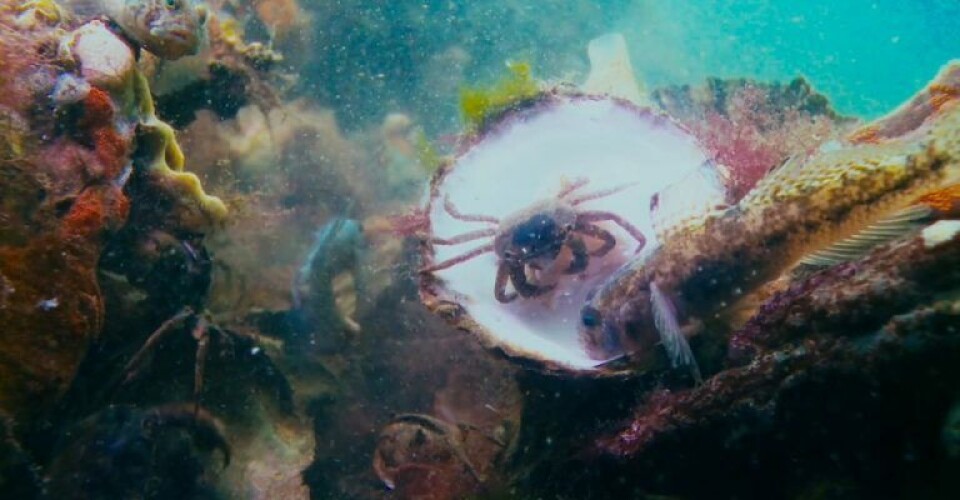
(369, 57)
(867, 56)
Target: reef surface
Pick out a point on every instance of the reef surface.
(275, 340)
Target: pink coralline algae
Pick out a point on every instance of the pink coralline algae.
(751, 128)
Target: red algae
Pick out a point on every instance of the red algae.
(750, 138)
(96, 209)
(945, 202)
(751, 127)
(97, 123)
(49, 319)
(64, 177)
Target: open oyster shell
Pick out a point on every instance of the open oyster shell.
(529, 155)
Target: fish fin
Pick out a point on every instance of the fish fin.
(672, 338)
(611, 72)
(878, 233)
(617, 362)
(691, 198)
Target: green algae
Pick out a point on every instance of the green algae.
(427, 155)
(479, 104)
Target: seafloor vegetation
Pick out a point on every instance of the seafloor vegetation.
(231, 265)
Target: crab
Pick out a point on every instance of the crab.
(532, 239)
(419, 442)
(226, 344)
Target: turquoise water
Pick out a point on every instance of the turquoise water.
(867, 56)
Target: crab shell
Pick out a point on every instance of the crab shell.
(562, 215)
(521, 161)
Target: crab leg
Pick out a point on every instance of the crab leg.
(518, 276)
(202, 335)
(601, 194)
(573, 186)
(500, 285)
(580, 256)
(465, 237)
(456, 260)
(594, 216)
(133, 367)
(452, 210)
(596, 232)
(202, 424)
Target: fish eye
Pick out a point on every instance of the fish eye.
(173, 4)
(590, 317)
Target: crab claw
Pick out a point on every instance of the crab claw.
(206, 430)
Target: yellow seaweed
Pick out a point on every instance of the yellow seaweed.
(478, 104)
(34, 11)
(427, 155)
(198, 210)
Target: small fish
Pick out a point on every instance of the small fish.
(325, 287)
(169, 29)
(712, 273)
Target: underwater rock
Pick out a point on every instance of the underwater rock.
(858, 296)
(868, 405)
(124, 452)
(105, 60)
(78, 171)
(227, 74)
(838, 375)
(893, 291)
(18, 476)
(51, 310)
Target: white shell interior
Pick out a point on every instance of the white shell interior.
(526, 160)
